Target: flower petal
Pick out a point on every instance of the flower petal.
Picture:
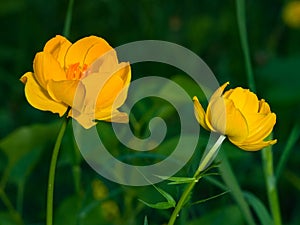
(260, 126)
(200, 113)
(107, 89)
(70, 92)
(226, 119)
(244, 100)
(218, 92)
(47, 68)
(86, 50)
(115, 116)
(87, 120)
(264, 107)
(256, 145)
(58, 47)
(236, 124)
(39, 98)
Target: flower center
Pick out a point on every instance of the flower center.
(75, 71)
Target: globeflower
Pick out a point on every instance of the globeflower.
(84, 77)
(239, 115)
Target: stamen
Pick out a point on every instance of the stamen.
(75, 71)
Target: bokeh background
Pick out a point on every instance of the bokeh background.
(208, 28)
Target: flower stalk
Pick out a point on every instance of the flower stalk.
(267, 157)
(206, 160)
(51, 177)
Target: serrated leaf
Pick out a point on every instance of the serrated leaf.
(159, 205)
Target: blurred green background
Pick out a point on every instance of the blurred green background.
(208, 28)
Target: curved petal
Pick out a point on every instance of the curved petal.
(70, 92)
(99, 49)
(123, 73)
(200, 113)
(255, 146)
(244, 100)
(115, 116)
(260, 126)
(58, 47)
(226, 119)
(39, 98)
(79, 51)
(264, 107)
(218, 92)
(47, 68)
(85, 120)
(236, 124)
(109, 93)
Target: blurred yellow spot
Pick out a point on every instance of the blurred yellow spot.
(100, 191)
(110, 210)
(291, 14)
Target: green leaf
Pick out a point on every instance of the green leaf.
(233, 185)
(229, 214)
(259, 208)
(210, 198)
(285, 71)
(24, 146)
(167, 196)
(162, 205)
(7, 219)
(178, 180)
(145, 221)
(67, 211)
(159, 205)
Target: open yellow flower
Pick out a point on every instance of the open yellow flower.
(239, 115)
(84, 76)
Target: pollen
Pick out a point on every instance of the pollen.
(75, 71)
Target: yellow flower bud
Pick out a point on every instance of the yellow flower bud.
(65, 77)
(239, 115)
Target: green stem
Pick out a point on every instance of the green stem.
(207, 159)
(241, 19)
(68, 20)
(271, 184)
(49, 212)
(293, 137)
(267, 154)
(15, 214)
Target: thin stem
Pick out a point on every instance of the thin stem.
(49, 212)
(267, 154)
(68, 19)
(294, 136)
(210, 155)
(271, 184)
(203, 164)
(15, 214)
(241, 19)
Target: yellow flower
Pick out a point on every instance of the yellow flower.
(65, 77)
(239, 115)
(291, 14)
